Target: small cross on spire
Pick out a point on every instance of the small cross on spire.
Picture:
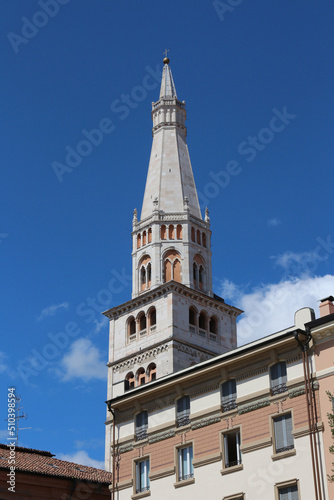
(166, 60)
(166, 52)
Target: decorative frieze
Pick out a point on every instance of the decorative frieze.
(255, 405)
(161, 436)
(203, 422)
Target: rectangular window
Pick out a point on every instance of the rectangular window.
(283, 433)
(142, 479)
(185, 465)
(141, 425)
(229, 395)
(289, 493)
(183, 411)
(232, 454)
(278, 378)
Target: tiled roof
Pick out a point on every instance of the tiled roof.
(43, 462)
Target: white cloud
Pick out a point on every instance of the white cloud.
(303, 262)
(274, 222)
(82, 458)
(270, 308)
(83, 361)
(100, 325)
(51, 310)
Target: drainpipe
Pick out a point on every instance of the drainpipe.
(113, 453)
(312, 419)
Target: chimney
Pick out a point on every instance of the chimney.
(326, 307)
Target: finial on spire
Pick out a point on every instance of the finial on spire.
(135, 217)
(207, 218)
(166, 60)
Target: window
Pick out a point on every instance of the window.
(183, 411)
(141, 376)
(129, 381)
(192, 234)
(163, 232)
(202, 322)
(283, 433)
(278, 378)
(204, 239)
(144, 238)
(288, 493)
(192, 316)
(142, 322)
(179, 232)
(185, 463)
(131, 327)
(232, 454)
(152, 317)
(142, 479)
(171, 232)
(141, 426)
(198, 236)
(213, 325)
(201, 277)
(152, 372)
(229, 395)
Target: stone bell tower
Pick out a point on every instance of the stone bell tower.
(174, 319)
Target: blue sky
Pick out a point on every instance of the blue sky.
(65, 237)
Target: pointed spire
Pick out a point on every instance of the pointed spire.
(167, 83)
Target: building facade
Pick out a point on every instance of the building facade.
(191, 415)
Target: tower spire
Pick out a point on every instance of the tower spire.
(171, 241)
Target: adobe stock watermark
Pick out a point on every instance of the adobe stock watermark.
(224, 7)
(249, 148)
(121, 107)
(30, 27)
(56, 344)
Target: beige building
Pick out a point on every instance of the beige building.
(190, 415)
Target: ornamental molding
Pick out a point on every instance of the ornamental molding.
(161, 436)
(252, 373)
(140, 358)
(125, 448)
(203, 422)
(261, 403)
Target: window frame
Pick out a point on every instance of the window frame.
(190, 477)
(282, 378)
(230, 403)
(286, 450)
(182, 418)
(224, 451)
(286, 484)
(141, 434)
(142, 492)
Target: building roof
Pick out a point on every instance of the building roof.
(44, 463)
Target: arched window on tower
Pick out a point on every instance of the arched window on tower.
(129, 381)
(193, 234)
(138, 240)
(192, 319)
(152, 318)
(200, 277)
(151, 372)
(203, 239)
(149, 235)
(144, 238)
(149, 275)
(195, 274)
(145, 273)
(141, 377)
(171, 232)
(202, 324)
(199, 272)
(163, 232)
(179, 232)
(142, 323)
(198, 236)
(143, 278)
(172, 266)
(131, 329)
(213, 328)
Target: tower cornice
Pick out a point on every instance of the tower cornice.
(172, 286)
